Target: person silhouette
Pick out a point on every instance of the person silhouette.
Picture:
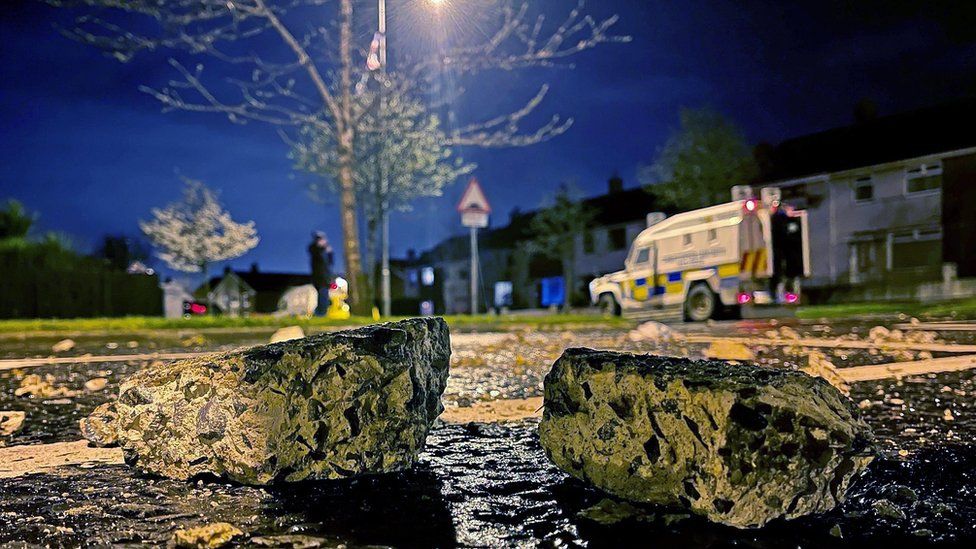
(320, 253)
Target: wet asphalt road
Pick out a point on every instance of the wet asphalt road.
(483, 484)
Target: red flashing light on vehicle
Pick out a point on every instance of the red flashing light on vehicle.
(198, 308)
(751, 205)
(791, 298)
(743, 298)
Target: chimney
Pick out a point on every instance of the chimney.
(615, 184)
(411, 255)
(254, 267)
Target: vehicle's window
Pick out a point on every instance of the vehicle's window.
(642, 256)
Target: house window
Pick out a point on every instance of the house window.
(917, 249)
(863, 190)
(924, 179)
(589, 242)
(618, 238)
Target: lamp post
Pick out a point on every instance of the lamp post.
(384, 181)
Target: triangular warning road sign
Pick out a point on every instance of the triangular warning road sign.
(473, 199)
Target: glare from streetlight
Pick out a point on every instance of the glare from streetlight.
(437, 3)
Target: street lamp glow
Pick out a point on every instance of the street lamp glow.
(437, 3)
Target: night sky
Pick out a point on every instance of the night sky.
(89, 152)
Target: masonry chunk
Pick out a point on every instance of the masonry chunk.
(328, 406)
(738, 444)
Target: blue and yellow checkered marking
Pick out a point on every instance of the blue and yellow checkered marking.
(673, 282)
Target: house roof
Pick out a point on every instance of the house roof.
(923, 132)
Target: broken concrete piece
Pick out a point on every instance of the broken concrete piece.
(96, 384)
(11, 422)
(729, 350)
(100, 427)
(287, 334)
(209, 536)
(329, 406)
(63, 346)
(652, 331)
(738, 444)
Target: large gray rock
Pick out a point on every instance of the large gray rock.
(739, 444)
(325, 407)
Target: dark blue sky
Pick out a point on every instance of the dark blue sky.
(83, 147)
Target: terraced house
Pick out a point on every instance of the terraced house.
(892, 203)
(441, 275)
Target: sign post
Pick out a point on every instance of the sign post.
(474, 210)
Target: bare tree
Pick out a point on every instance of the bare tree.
(273, 71)
(401, 136)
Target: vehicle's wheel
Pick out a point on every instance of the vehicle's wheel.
(700, 303)
(609, 305)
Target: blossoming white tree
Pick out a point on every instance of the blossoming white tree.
(197, 231)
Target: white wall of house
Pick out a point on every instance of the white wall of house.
(868, 223)
(607, 248)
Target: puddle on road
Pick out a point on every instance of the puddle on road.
(476, 485)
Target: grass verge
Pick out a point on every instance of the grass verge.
(956, 310)
(146, 323)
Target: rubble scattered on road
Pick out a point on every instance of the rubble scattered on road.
(740, 445)
(653, 331)
(11, 422)
(287, 333)
(729, 350)
(42, 387)
(195, 340)
(208, 536)
(63, 346)
(96, 384)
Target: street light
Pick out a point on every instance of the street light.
(384, 182)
